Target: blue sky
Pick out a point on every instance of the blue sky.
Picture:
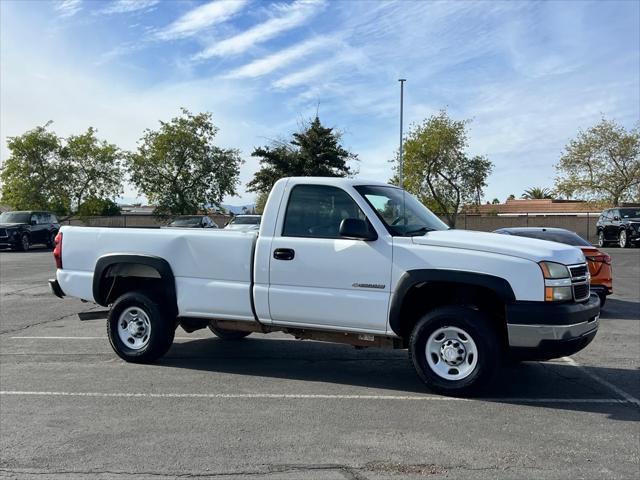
(528, 74)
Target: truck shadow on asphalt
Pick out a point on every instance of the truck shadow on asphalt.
(526, 383)
(620, 310)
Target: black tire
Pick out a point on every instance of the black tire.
(603, 300)
(162, 328)
(24, 244)
(52, 240)
(226, 334)
(475, 325)
(601, 241)
(623, 239)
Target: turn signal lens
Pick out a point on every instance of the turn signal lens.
(557, 294)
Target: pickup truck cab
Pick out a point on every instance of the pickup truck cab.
(340, 260)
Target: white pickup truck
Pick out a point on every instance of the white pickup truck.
(339, 260)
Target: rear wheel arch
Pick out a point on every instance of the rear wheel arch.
(117, 274)
(420, 291)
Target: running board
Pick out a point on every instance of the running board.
(93, 315)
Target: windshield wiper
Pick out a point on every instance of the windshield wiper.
(419, 231)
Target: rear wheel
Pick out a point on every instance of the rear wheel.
(226, 334)
(623, 239)
(139, 329)
(52, 240)
(455, 350)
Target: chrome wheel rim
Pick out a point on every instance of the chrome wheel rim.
(623, 239)
(451, 353)
(134, 328)
(601, 239)
(25, 242)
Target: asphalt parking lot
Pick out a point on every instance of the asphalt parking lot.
(271, 407)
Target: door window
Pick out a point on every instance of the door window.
(317, 211)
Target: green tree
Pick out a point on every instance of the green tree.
(602, 163)
(93, 206)
(495, 201)
(437, 168)
(537, 193)
(511, 197)
(93, 167)
(180, 169)
(313, 151)
(31, 176)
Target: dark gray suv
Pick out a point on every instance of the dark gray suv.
(619, 226)
(20, 230)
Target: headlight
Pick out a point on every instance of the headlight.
(557, 282)
(554, 270)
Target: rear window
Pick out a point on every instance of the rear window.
(568, 238)
(630, 213)
(246, 221)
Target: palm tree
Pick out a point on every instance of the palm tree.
(537, 193)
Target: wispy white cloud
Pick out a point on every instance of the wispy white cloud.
(282, 58)
(68, 8)
(291, 16)
(201, 17)
(128, 6)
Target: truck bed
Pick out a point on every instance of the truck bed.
(212, 268)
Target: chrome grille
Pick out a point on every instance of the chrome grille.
(578, 271)
(580, 282)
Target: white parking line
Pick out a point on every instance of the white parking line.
(296, 396)
(628, 397)
(104, 337)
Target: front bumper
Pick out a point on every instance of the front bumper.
(540, 331)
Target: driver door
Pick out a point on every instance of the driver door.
(318, 278)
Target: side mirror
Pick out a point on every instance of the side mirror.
(34, 222)
(616, 218)
(357, 229)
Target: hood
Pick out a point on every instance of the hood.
(522, 247)
(12, 225)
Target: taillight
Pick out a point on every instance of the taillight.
(604, 258)
(57, 250)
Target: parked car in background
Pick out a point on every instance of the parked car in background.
(598, 261)
(20, 230)
(192, 221)
(620, 226)
(244, 222)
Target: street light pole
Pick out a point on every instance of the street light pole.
(401, 169)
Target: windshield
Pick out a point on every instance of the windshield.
(401, 212)
(186, 222)
(630, 213)
(568, 238)
(14, 217)
(246, 221)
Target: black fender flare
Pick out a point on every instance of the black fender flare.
(411, 278)
(157, 263)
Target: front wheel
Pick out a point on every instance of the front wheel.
(24, 242)
(139, 329)
(603, 299)
(226, 334)
(622, 239)
(601, 242)
(455, 350)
